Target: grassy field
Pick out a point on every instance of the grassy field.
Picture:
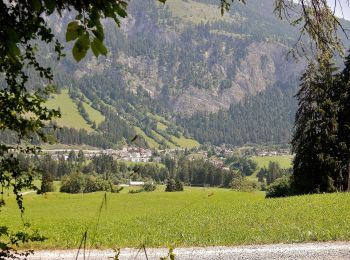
(69, 110)
(185, 142)
(162, 124)
(94, 114)
(181, 142)
(129, 163)
(285, 161)
(151, 143)
(159, 137)
(195, 217)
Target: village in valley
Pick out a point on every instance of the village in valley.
(215, 155)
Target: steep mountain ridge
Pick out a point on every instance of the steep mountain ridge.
(210, 67)
(190, 56)
(220, 79)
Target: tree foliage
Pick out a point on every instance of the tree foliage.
(281, 187)
(174, 185)
(321, 138)
(314, 19)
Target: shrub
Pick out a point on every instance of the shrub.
(179, 186)
(78, 183)
(241, 183)
(93, 184)
(136, 191)
(281, 187)
(173, 185)
(170, 185)
(149, 186)
(116, 189)
(47, 183)
(73, 183)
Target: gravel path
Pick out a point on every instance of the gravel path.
(329, 250)
(27, 192)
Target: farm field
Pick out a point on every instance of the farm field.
(195, 217)
(285, 161)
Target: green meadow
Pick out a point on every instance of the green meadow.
(185, 142)
(151, 143)
(195, 217)
(175, 142)
(285, 161)
(70, 116)
(94, 114)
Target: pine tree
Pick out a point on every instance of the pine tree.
(48, 168)
(317, 166)
(47, 183)
(344, 121)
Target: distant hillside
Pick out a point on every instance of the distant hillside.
(71, 117)
(87, 122)
(179, 72)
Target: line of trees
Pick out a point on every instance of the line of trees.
(103, 168)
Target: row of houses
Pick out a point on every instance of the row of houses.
(273, 153)
(132, 154)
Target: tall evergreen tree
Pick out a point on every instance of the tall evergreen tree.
(344, 121)
(48, 168)
(317, 166)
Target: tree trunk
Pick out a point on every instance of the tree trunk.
(348, 170)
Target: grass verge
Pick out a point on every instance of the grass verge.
(195, 217)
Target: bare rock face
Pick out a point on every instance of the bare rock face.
(139, 72)
(264, 65)
(202, 69)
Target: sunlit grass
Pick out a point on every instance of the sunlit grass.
(69, 110)
(161, 126)
(94, 114)
(195, 217)
(185, 142)
(285, 161)
(151, 143)
(161, 138)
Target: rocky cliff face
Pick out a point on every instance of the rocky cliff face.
(190, 59)
(263, 66)
(201, 67)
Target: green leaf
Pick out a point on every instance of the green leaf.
(121, 12)
(81, 47)
(74, 29)
(99, 33)
(98, 47)
(11, 35)
(14, 50)
(35, 5)
(94, 48)
(50, 5)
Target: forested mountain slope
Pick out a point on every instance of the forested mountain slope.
(188, 57)
(220, 79)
